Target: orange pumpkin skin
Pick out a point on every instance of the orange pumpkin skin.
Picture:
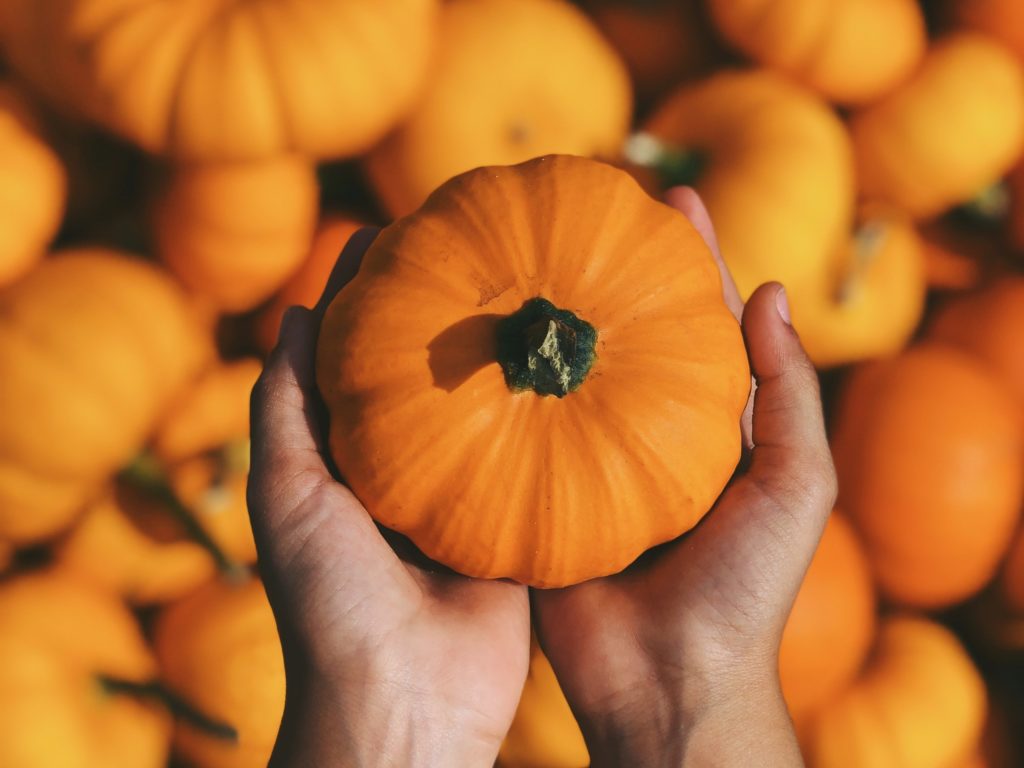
(234, 233)
(305, 286)
(920, 703)
(219, 650)
(948, 132)
(930, 457)
(496, 97)
(850, 51)
(32, 188)
(653, 428)
(755, 128)
(1001, 19)
(832, 624)
(212, 81)
(93, 345)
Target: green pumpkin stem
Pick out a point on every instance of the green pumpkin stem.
(175, 704)
(546, 349)
(674, 166)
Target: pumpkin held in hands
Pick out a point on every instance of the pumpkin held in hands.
(535, 376)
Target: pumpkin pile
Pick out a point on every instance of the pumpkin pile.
(173, 176)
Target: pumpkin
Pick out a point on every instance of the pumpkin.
(544, 732)
(874, 297)
(513, 79)
(832, 625)
(32, 188)
(235, 232)
(955, 259)
(62, 644)
(305, 286)
(1001, 19)
(929, 452)
(93, 345)
(850, 51)
(552, 326)
(219, 650)
(920, 703)
(952, 129)
(6, 556)
(217, 81)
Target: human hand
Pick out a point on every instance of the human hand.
(674, 662)
(387, 662)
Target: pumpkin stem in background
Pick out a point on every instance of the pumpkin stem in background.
(987, 210)
(177, 706)
(674, 166)
(546, 349)
(146, 475)
(867, 242)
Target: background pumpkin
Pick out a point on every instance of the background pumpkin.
(513, 79)
(1001, 19)
(93, 345)
(935, 490)
(408, 365)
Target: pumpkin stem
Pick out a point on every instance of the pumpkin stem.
(145, 474)
(868, 240)
(674, 166)
(546, 349)
(987, 209)
(175, 704)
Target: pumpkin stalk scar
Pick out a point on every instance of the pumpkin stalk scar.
(545, 349)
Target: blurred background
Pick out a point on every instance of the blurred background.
(174, 174)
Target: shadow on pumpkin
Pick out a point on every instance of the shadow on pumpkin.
(462, 349)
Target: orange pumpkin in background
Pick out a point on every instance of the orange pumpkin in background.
(234, 233)
(1001, 19)
(216, 81)
(93, 346)
(929, 452)
(63, 649)
(32, 188)
(513, 79)
(305, 286)
(954, 128)
(552, 326)
(832, 625)
(218, 649)
(850, 51)
(919, 703)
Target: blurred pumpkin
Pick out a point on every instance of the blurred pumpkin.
(929, 451)
(64, 648)
(234, 233)
(952, 129)
(544, 733)
(955, 260)
(305, 286)
(93, 345)
(218, 649)
(1001, 19)
(832, 625)
(512, 80)
(850, 51)
(559, 277)
(215, 81)
(6, 555)
(919, 703)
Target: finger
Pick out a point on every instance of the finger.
(346, 267)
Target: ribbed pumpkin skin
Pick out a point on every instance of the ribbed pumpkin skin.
(930, 458)
(93, 345)
(850, 51)
(513, 79)
(219, 649)
(949, 131)
(561, 490)
(32, 189)
(775, 154)
(832, 624)
(920, 703)
(217, 80)
(235, 232)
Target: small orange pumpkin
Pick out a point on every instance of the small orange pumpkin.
(513, 79)
(850, 51)
(234, 233)
(557, 277)
(952, 129)
(1001, 19)
(929, 451)
(93, 345)
(219, 650)
(920, 703)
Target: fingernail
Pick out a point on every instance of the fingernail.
(782, 304)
